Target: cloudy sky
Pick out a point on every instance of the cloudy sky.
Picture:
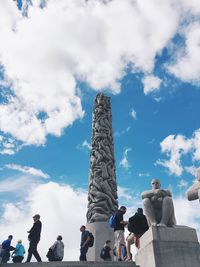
(55, 56)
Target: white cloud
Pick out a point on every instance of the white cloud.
(174, 147)
(177, 146)
(124, 163)
(182, 183)
(187, 64)
(28, 170)
(57, 218)
(151, 84)
(87, 145)
(120, 133)
(133, 114)
(45, 53)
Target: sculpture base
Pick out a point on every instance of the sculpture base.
(169, 247)
(102, 232)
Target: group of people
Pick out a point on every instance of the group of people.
(34, 237)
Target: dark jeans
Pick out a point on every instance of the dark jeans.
(5, 255)
(83, 251)
(33, 251)
(18, 259)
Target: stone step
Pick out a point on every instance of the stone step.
(74, 264)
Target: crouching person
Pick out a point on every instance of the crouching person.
(18, 253)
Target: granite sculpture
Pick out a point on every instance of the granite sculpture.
(158, 205)
(102, 193)
(193, 191)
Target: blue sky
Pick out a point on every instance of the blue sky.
(55, 56)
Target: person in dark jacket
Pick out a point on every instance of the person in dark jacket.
(137, 225)
(5, 249)
(85, 238)
(34, 238)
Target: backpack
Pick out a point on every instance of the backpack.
(131, 227)
(50, 254)
(112, 221)
(102, 253)
(91, 241)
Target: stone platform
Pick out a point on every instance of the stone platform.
(101, 232)
(73, 264)
(169, 247)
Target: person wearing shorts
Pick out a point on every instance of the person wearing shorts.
(119, 231)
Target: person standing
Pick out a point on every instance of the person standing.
(34, 238)
(58, 249)
(5, 249)
(18, 252)
(119, 231)
(85, 238)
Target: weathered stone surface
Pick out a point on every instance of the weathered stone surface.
(158, 205)
(169, 247)
(101, 232)
(102, 193)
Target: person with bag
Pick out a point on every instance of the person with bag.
(85, 239)
(57, 250)
(106, 251)
(18, 253)
(5, 249)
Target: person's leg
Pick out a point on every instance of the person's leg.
(167, 212)
(129, 242)
(83, 254)
(121, 241)
(35, 252)
(30, 252)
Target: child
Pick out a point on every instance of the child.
(106, 251)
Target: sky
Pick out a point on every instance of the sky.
(55, 56)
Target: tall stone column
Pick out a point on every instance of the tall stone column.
(102, 193)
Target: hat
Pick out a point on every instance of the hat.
(36, 216)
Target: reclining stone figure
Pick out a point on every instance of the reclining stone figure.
(158, 206)
(193, 191)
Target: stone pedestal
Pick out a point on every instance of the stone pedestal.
(169, 247)
(101, 232)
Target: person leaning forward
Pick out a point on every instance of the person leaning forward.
(34, 238)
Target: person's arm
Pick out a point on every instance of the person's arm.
(86, 241)
(147, 194)
(53, 246)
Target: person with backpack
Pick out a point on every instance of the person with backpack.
(137, 226)
(119, 231)
(57, 249)
(18, 253)
(85, 239)
(5, 249)
(106, 251)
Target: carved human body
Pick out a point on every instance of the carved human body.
(193, 191)
(158, 205)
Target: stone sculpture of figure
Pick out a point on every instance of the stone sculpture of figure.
(102, 194)
(193, 192)
(158, 205)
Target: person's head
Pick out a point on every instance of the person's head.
(198, 174)
(123, 209)
(108, 243)
(59, 238)
(10, 237)
(82, 229)
(19, 241)
(155, 184)
(140, 210)
(36, 217)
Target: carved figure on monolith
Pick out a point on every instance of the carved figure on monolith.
(158, 205)
(193, 191)
(102, 194)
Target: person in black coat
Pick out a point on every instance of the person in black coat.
(137, 226)
(34, 238)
